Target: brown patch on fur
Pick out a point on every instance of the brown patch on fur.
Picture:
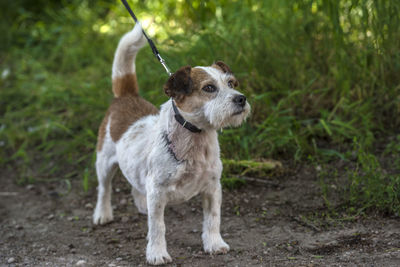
(198, 97)
(199, 77)
(179, 84)
(221, 66)
(125, 85)
(235, 82)
(124, 111)
(102, 132)
(225, 69)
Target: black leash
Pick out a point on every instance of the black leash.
(152, 45)
(178, 117)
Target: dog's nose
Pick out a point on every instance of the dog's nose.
(239, 100)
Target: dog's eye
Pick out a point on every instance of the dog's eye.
(230, 84)
(210, 88)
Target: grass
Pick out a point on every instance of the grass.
(363, 184)
(317, 73)
(371, 186)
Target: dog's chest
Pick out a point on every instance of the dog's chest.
(193, 178)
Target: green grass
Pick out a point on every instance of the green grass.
(317, 73)
(371, 187)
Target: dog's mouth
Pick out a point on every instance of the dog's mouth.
(238, 112)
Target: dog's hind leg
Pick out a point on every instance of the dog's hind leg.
(106, 168)
(103, 212)
(140, 201)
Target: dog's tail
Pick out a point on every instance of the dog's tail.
(124, 81)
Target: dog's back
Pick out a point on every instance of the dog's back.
(127, 106)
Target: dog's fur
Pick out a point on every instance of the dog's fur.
(163, 161)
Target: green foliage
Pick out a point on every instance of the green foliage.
(235, 170)
(250, 167)
(372, 187)
(317, 74)
(232, 182)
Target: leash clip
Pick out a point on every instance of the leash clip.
(152, 45)
(164, 64)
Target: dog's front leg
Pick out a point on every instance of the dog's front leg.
(212, 240)
(156, 252)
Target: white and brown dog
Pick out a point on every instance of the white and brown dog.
(170, 155)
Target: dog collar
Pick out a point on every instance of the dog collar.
(179, 118)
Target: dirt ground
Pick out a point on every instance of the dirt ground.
(273, 224)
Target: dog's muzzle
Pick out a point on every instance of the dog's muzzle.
(240, 103)
(239, 100)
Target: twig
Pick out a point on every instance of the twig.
(260, 181)
(7, 194)
(306, 223)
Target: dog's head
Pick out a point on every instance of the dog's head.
(207, 95)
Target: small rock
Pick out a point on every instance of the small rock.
(117, 190)
(119, 231)
(195, 231)
(124, 219)
(30, 187)
(194, 209)
(54, 194)
(19, 227)
(43, 249)
(89, 206)
(112, 265)
(118, 259)
(11, 260)
(81, 263)
(50, 217)
(123, 201)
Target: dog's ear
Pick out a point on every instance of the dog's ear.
(180, 83)
(221, 66)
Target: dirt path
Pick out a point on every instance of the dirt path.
(264, 225)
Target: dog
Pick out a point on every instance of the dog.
(171, 155)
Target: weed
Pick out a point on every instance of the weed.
(232, 182)
(250, 167)
(370, 186)
(237, 210)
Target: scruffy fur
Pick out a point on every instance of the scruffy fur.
(163, 161)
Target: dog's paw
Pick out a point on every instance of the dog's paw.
(157, 256)
(102, 216)
(215, 245)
